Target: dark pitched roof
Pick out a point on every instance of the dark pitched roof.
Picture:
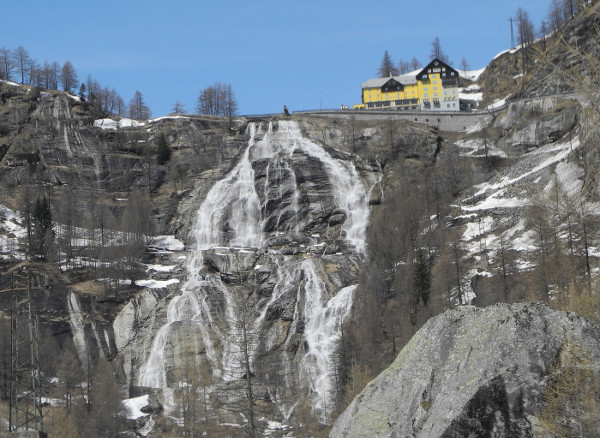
(436, 66)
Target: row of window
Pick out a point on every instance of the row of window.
(438, 104)
(372, 95)
(435, 93)
(410, 104)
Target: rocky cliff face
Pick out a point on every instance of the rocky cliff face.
(49, 139)
(472, 372)
(273, 216)
(276, 247)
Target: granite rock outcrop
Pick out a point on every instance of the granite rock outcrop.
(471, 372)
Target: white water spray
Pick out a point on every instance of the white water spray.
(233, 216)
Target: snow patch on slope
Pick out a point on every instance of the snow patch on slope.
(488, 224)
(471, 75)
(116, 124)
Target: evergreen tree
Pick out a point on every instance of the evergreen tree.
(387, 68)
(41, 223)
(82, 91)
(163, 151)
(421, 278)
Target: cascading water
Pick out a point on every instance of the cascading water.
(258, 201)
(78, 330)
(323, 322)
(235, 195)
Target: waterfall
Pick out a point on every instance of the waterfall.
(261, 198)
(236, 195)
(322, 331)
(78, 329)
(348, 189)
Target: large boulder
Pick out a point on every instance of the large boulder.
(473, 372)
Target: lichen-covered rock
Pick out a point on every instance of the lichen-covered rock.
(470, 372)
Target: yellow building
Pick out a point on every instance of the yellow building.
(434, 88)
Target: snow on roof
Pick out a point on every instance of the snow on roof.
(407, 79)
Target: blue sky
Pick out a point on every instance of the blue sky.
(306, 54)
